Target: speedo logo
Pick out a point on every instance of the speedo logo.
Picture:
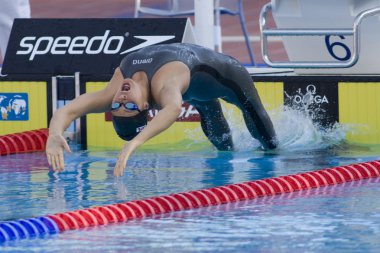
(143, 61)
(82, 45)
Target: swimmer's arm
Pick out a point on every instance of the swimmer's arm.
(169, 83)
(173, 80)
(86, 103)
(93, 102)
(56, 143)
(171, 103)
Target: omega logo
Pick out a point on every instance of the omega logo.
(310, 97)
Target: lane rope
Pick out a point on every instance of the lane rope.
(122, 212)
(25, 142)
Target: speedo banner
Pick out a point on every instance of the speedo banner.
(88, 46)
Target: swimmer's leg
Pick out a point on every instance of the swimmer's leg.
(245, 96)
(259, 125)
(257, 119)
(214, 125)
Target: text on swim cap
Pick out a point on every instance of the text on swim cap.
(142, 61)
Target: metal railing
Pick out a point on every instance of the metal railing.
(354, 32)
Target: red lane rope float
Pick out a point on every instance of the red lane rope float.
(4, 148)
(121, 212)
(25, 142)
(214, 196)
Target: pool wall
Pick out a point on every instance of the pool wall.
(349, 100)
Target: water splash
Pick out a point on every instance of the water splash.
(296, 130)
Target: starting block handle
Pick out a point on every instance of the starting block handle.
(354, 32)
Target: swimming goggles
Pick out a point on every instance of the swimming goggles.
(129, 106)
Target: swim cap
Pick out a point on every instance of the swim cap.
(128, 127)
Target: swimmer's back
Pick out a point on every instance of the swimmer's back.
(150, 59)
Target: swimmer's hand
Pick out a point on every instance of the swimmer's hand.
(55, 145)
(124, 155)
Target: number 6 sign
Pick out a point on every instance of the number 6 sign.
(330, 47)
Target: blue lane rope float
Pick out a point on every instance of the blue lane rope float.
(27, 228)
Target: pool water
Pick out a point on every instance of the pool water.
(343, 218)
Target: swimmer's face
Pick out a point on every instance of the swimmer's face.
(128, 94)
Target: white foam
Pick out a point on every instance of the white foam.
(295, 130)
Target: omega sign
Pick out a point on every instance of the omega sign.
(318, 98)
(309, 96)
(88, 46)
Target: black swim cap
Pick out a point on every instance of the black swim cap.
(128, 127)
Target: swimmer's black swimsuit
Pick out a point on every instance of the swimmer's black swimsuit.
(213, 75)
